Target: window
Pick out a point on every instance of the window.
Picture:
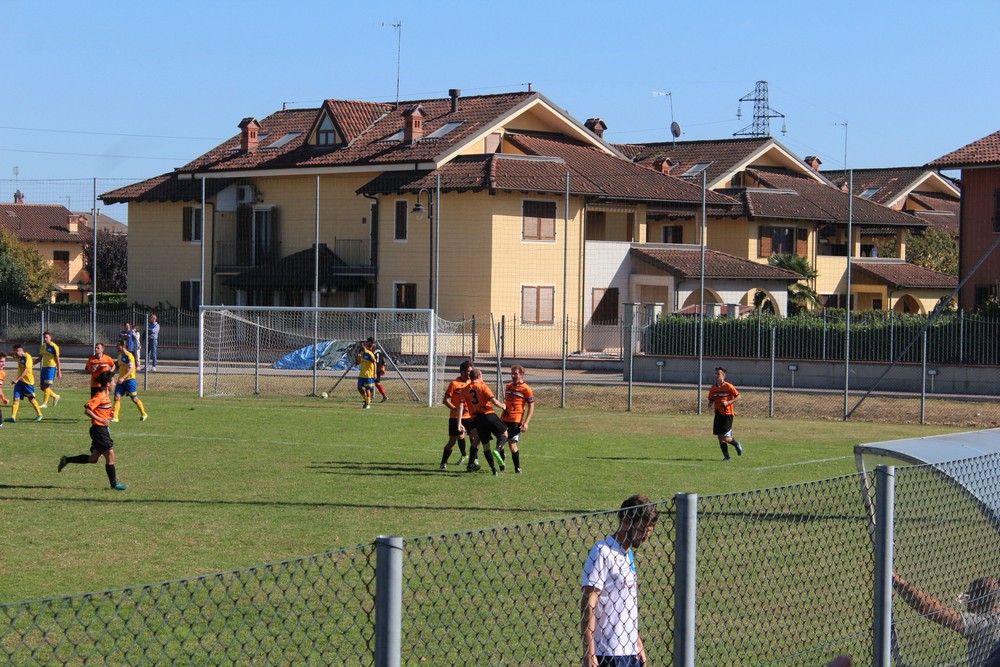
(190, 294)
(285, 139)
(443, 130)
(537, 305)
(605, 306)
(996, 211)
(326, 135)
(264, 236)
(60, 260)
(869, 193)
(192, 224)
(673, 234)
(596, 226)
(406, 295)
(538, 221)
(782, 241)
(401, 211)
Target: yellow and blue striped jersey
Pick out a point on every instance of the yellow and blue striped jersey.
(126, 366)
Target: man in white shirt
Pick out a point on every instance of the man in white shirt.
(609, 621)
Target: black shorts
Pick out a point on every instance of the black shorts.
(488, 424)
(100, 439)
(723, 425)
(513, 430)
(469, 425)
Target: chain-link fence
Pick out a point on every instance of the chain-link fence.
(784, 576)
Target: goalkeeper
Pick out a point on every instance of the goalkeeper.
(366, 374)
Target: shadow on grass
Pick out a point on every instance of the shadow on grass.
(385, 468)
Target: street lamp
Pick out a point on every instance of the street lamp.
(433, 238)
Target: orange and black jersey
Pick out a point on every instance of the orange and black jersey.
(101, 406)
(719, 393)
(476, 395)
(516, 397)
(453, 394)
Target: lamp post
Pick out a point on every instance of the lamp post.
(433, 238)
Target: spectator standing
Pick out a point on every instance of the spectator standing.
(152, 340)
(609, 612)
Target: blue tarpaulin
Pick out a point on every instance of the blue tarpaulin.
(331, 355)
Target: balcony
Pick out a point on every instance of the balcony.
(238, 256)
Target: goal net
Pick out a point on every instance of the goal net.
(255, 350)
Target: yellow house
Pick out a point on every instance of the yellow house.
(787, 206)
(511, 189)
(59, 237)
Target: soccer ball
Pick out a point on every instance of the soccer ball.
(324, 395)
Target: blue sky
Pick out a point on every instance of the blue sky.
(132, 89)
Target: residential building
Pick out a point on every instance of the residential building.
(979, 260)
(59, 236)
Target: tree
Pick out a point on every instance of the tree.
(933, 249)
(112, 261)
(801, 297)
(25, 278)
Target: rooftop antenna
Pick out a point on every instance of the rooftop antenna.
(15, 170)
(762, 114)
(675, 127)
(398, 25)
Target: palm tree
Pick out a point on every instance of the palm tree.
(801, 296)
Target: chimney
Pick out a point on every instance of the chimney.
(248, 134)
(813, 162)
(413, 124)
(18, 197)
(73, 223)
(843, 186)
(597, 126)
(663, 165)
(454, 93)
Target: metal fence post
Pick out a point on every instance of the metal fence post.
(388, 601)
(628, 348)
(923, 380)
(685, 580)
(774, 354)
(885, 503)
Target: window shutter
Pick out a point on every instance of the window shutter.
(188, 223)
(547, 229)
(764, 241)
(546, 305)
(802, 242)
(529, 304)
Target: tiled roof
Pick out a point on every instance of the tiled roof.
(166, 188)
(41, 222)
(684, 261)
(724, 154)
(942, 211)
(890, 181)
(105, 222)
(897, 274)
(985, 151)
(543, 169)
(830, 201)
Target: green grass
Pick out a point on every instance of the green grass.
(219, 484)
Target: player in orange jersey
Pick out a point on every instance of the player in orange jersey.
(100, 410)
(450, 401)
(722, 395)
(481, 400)
(97, 364)
(3, 376)
(520, 401)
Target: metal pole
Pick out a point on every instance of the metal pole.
(201, 276)
(850, 254)
(431, 359)
(685, 579)
(256, 364)
(388, 601)
(923, 381)
(437, 242)
(774, 336)
(701, 298)
(201, 353)
(565, 345)
(315, 364)
(93, 274)
(885, 502)
(630, 348)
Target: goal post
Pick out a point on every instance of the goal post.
(259, 350)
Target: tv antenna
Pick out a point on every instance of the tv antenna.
(675, 127)
(398, 25)
(762, 114)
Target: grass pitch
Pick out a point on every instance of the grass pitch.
(218, 484)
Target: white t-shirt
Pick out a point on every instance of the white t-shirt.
(982, 632)
(611, 570)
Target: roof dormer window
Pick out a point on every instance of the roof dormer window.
(869, 193)
(326, 135)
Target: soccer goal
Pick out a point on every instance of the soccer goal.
(255, 350)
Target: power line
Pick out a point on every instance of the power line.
(120, 157)
(107, 134)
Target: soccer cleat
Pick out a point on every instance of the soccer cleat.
(739, 447)
(38, 418)
(496, 474)
(114, 419)
(384, 399)
(143, 418)
(368, 406)
(62, 464)
(517, 470)
(11, 420)
(55, 399)
(726, 460)
(444, 466)
(461, 461)
(472, 467)
(498, 459)
(118, 486)
(42, 406)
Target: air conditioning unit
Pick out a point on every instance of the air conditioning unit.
(245, 194)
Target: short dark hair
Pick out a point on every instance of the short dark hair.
(17, 346)
(638, 508)
(466, 365)
(720, 368)
(105, 378)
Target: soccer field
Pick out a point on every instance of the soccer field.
(218, 484)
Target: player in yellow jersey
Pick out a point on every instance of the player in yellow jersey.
(126, 382)
(51, 369)
(366, 375)
(24, 385)
(99, 409)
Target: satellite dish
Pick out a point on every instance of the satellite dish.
(675, 129)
